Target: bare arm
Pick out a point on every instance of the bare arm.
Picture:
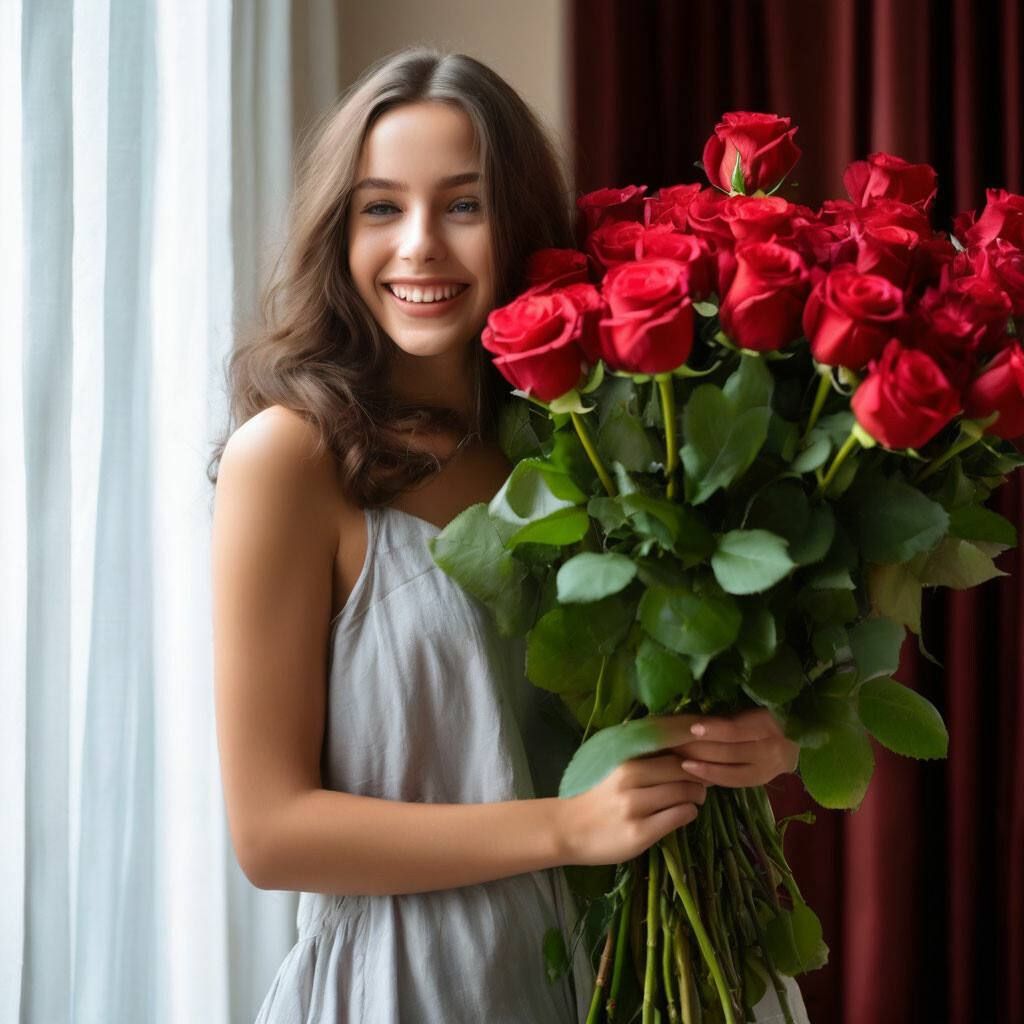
(274, 543)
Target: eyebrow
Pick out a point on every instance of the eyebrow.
(466, 178)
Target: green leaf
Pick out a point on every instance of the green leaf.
(830, 643)
(814, 453)
(609, 512)
(662, 677)
(750, 561)
(828, 607)
(958, 564)
(813, 544)
(686, 533)
(777, 681)
(622, 437)
(556, 956)
(470, 550)
(902, 720)
(837, 773)
(600, 755)
(706, 309)
(974, 522)
(719, 445)
(688, 623)
(738, 183)
(757, 640)
(794, 940)
(565, 648)
(895, 521)
(895, 592)
(564, 526)
(750, 385)
(518, 428)
(534, 489)
(876, 645)
(617, 691)
(589, 576)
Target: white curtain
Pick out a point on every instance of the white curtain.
(145, 160)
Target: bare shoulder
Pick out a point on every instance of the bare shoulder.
(277, 441)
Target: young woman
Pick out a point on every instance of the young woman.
(371, 720)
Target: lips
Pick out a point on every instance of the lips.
(426, 308)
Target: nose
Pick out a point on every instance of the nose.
(421, 240)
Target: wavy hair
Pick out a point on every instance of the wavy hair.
(315, 347)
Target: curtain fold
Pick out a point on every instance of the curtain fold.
(145, 164)
(921, 890)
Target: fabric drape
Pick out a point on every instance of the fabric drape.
(145, 160)
(921, 890)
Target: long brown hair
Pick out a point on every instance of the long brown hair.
(317, 349)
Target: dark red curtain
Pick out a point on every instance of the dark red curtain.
(920, 890)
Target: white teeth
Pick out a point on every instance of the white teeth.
(425, 294)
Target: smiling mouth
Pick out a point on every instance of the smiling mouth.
(427, 305)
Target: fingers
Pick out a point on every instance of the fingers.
(652, 799)
(650, 771)
(753, 724)
(735, 775)
(745, 752)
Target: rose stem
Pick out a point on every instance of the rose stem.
(595, 459)
(713, 869)
(824, 387)
(681, 949)
(620, 950)
(651, 962)
(597, 696)
(697, 926)
(936, 464)
(771, 882)
(848, 445)
(602, 977)
(668, 413)
(748, 897)
(666, 959)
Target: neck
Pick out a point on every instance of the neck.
(444, 380)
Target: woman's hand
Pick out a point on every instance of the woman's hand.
(746, 749)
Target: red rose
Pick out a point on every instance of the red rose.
(1003, 264)
(669, 205)
(885, 176)
(614, 242)
(1003, 217)
(886, 250)
(976, 302)
(689, 250)
(556, 267)
(765, 300)
(1000, 388)
(850, 316)
(905, 400)
(539, 340)
(764, 145)
(704, 218)
(758, 219)
(650, 326)
(606, 204)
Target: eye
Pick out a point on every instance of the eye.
(473, 204)
(370, 209)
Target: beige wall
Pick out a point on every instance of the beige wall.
(525, 41)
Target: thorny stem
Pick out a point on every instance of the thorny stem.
(595, 459)
(650, 963)
(668, 414)
(602, 977)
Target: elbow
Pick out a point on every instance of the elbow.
(255, 860)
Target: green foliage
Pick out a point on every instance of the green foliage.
(902, 720)
(589, 576)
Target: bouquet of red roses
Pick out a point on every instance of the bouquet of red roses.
(747, 434)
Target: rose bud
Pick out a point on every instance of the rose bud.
(649, 328)
(764, 145)
(763, 306)
(905, 400)
(540, 339)
(1003, 217)
(614, 242)
(761, 219)
(1000, 388)
(669, 205)
(689, 250)
(1003, 265)
(885, 176)
(556, 268)
(606, 204)
(850, 316)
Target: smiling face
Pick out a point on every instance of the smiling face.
(429, 224)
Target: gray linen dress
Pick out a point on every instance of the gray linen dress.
(427, 702)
